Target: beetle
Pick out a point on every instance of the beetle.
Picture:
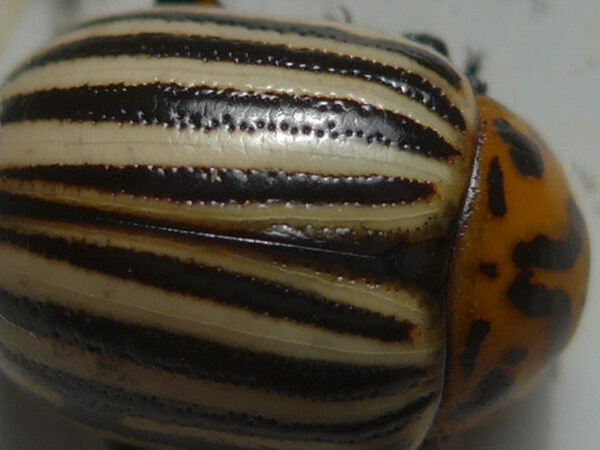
(225, 231)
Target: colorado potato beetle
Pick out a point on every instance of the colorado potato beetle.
(224, 231)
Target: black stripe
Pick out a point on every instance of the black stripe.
(539, 300)
(524, 153)
(216, 285)
(296, 246)
(208, 109)
(491, 388)
(224, 185)
(515, 356)
(495, 185)
(490, 270)
(208, 360)
(376, 259)
(420, 55)
(477, 334)
(549, 254)
(111, 402)
(217, 49)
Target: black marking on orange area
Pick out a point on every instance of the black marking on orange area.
(217, 49)
(524, 153)
(223, 185)
(515, 356)
(206, 360)
(490, 270)
(207, 109)
(218, 286)
(536, 301)
(477, 333)
(541, 252)
(490, 388)
(549, 254)
(495, 184)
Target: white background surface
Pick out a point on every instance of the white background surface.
(541, 59)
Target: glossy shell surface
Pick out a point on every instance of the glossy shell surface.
(229, 231)
(518, 276)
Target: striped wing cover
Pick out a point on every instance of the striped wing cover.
(229, 231)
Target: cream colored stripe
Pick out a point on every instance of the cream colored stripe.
(429, 218)
(462, 99)
(135, 70)
(374, 297)
(179, 388)
(30, 275)
(55, 142)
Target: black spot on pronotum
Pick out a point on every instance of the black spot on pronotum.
(515, 356)
(495, 184)
(490, 270)
(535, 300)
(524, 153)
(549, 254)
(491, 388)
(477, 334)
